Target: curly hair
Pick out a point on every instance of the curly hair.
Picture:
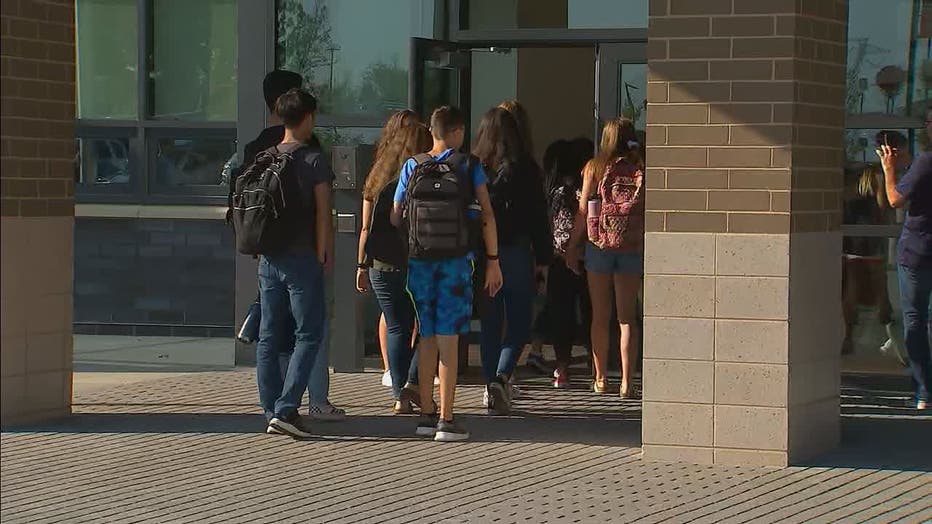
(403, 137)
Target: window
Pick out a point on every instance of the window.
(353, 54)
(107, 60)
(888, 80)
(164, 131)
(194, 64)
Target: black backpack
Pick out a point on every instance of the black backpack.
(385, 242)
(438, 195)
(266, 202)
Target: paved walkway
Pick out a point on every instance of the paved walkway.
(189, 448)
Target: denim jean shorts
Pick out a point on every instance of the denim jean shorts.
(604, 261)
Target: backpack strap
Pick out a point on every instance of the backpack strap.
(423, 158)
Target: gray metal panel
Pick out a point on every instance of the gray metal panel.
(256, 57)
(347, 329)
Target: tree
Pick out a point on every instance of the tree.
(304, 43)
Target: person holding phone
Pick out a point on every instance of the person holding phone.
(913, 191)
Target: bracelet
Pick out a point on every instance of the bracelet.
(492, 257)
(362, 266)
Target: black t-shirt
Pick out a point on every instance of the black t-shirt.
(310, 168)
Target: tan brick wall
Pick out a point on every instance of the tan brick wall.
(38, 108)
(37, 71)
(744, 121)
(742, 259)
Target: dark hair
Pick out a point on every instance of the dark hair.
(445, 120)
(524, 122)
(894, 139)
(555, 161)
(293, 106)
(277, 83)
(498, 139)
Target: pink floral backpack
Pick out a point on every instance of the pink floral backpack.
(617, 222)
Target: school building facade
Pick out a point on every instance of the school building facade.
(122, 120)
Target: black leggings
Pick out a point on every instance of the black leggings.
(566, 292)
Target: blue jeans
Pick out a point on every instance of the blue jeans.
(915, 294)
(318, 386)
(395, 303)
(295, 282)
(514, 302)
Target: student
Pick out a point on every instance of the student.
(864, 262)
(566, 291)
(524, 243)
(382, 256)
(395, 122)
(524, 123)
(275, 84)
(434, 193)
(913, 191)
(611, 204)
(293, 276)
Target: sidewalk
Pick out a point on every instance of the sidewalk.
(190, 448)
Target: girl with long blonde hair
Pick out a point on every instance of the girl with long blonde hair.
(609, 268)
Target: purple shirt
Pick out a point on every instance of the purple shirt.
(914, 249)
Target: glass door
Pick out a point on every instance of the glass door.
(439, 75)
(621, 84)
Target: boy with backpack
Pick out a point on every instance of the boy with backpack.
(434, 195)
(281, 212)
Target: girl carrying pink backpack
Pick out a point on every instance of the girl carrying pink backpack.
(611, 215)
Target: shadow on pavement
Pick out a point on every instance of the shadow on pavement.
(880, 429)
(621, 431)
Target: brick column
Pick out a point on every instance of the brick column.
(37, 177)
(743, 259)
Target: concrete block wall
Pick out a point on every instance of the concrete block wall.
(37, 67)
(743, 275)
(169, 272)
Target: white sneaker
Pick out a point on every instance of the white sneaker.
(387, 379)
(485, 397)
(922, 405)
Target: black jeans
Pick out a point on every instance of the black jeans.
(567, 292)
(392, 295)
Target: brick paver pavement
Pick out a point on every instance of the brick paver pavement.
(190, 448)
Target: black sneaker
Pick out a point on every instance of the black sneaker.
(499, 399)
(427, 425)
(294, 426)
(449, 431)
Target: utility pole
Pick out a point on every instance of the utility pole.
(333, 50)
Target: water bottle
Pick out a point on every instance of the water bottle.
(249, 332)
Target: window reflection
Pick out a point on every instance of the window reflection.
(104, 162)
(183, 162)
(870, 306)
(632, 96)
(352, 53)
(106, 59)
(194, 56)
(878, 56)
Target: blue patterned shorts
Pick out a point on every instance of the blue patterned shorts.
(442, 293)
